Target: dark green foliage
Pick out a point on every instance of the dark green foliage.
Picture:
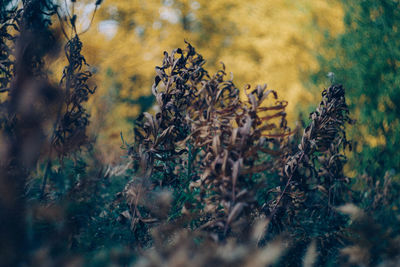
(81, 216)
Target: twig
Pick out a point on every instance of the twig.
(274, 209)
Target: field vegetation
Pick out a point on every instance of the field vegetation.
(115, 153)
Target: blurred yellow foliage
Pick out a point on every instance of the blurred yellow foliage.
(260, 41)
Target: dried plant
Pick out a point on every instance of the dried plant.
(318, 163)
(237, 141)
(32, 103)
(312, 178)
(157, 137)
(71, 129)
(220, 156)
(233, 138)
(8, 22)
(34, 19)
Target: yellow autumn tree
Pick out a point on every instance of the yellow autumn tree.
(260, 41)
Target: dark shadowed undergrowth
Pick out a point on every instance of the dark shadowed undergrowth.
(214, 178)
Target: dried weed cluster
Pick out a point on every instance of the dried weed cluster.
(71, 131)
(313, 171)
(205, 129)
(222, 162)
(220, 180)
